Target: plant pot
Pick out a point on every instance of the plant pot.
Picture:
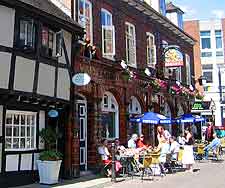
(49, 171)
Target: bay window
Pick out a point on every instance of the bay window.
(20, 130)
(151, 50)
(130, 44)
(108, 35)
(85, 17)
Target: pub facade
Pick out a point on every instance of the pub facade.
(138, 61)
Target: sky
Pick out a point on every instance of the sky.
(201, 9)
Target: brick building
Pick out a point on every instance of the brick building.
(138, 33)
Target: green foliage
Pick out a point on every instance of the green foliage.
(49, 137)
(50, 155)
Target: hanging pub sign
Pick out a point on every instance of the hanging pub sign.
(173, 57)
(81, 79)
(53, 113)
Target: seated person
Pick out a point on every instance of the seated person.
(105, 155)
(174, 147)
(212, 146)
(119, 149)
(132, 142)
(141, 143)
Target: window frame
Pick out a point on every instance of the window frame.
(111, 100)
(128, 36)
(90, 19)
(153, 63)
(219, 51)
(12, 125)
(111, 27)
(25, 47)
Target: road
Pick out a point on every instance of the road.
(209, 174)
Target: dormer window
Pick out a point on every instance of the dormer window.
(27, 30)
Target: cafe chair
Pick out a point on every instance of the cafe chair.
(146, 167)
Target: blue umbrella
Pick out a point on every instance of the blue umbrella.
(189, 118)
(151, 118)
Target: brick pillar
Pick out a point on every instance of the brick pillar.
(123, 122)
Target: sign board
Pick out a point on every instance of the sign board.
(81, 79)
(203, 105)
(173, 58)
(53, 113)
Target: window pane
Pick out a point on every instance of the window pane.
(206, 54)
(9, 119)
(205, 33)
(206, 43)
(23, 24)
(8, 142)
(9, 131)
(16, 143)
(28, 131)
(218, 32)
(16, 131)
(16, 120)
(218, 42)
(208, 76)
(23, 119)
(81, 6)
(28, 143)
(219, 53)
(44, 36)
(207, 67)
(22, 143)
(22, 131)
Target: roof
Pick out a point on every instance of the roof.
(47, 7)
(170, 7)
(160, 19)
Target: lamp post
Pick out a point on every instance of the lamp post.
(113, 178)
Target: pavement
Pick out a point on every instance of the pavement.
(207, 174)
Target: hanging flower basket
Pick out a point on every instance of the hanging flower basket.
(126, 76)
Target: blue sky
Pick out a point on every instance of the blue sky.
(201, 9)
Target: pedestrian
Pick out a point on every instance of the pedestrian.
(188, 155)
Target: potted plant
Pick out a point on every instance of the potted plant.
(50, 160)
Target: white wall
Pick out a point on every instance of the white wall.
(24, 74)
(172, 17)
(46, 80)
(7, 17)
(63, 87)
(5, 62)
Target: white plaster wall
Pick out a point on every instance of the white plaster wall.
(12, 162)
(155, 4)
(24, 74)
(68, 41)
(46, 80)
(7, 17)
(41, 126)
(5, 62)
(26, 162)
(63, 87)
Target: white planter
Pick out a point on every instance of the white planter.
(49, 171)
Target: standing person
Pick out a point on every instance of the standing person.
(212, 146)
(209, 132)
(188, 155)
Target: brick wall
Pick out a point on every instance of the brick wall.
(192, 28)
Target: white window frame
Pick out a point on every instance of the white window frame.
(133, 38)
(90, 19)
(206, 49)
(188, 69)
(149, 47)
(26, 113)
(111, 102)
(111, 28)
(219, 49)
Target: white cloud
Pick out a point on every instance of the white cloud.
(218, 13)
(189, 12)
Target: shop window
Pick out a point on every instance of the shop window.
(20, 130)
(27, 33)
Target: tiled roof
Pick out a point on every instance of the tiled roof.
(48, 7)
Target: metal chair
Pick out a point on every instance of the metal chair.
(156, 164)
(146, 168)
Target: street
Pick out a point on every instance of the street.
(211, 174)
